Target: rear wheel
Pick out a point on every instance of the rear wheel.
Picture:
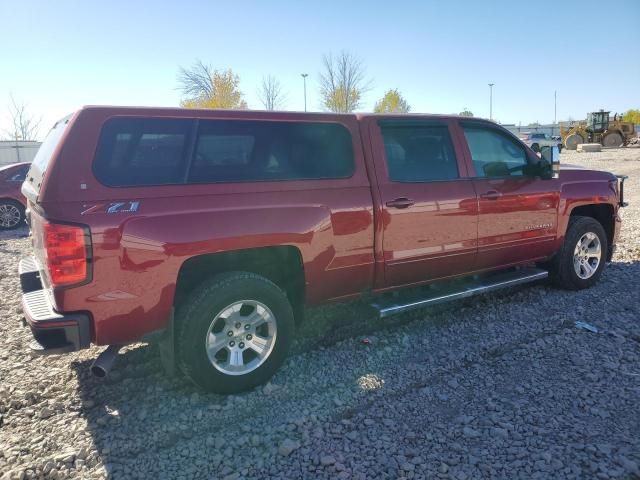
(580, 261)
(612, 139)
(11, 215)
(233, 332)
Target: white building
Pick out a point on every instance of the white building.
(549, 129)
(12, 151)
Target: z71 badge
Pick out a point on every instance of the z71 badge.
(128, 206)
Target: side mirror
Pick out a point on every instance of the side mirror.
(550, 161)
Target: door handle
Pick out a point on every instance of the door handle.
(402, 202)
(491, 195)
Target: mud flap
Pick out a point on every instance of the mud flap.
(166, 347)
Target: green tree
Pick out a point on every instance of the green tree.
(204, 87)
(466, 113)
(632, 116)
(392, 102)
(342, 83)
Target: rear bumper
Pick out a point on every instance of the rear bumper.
(53, 332)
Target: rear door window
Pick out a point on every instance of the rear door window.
(419, 153)
(136, 151)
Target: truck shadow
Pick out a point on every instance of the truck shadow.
(137, 409)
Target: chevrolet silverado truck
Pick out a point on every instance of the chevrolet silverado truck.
(210, 231)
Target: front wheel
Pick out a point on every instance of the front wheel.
(572, 141)
(233, 332)
(11, 215)
(580, 261)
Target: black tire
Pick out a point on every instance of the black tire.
(563, 273)
(13, 205)
(196, 314)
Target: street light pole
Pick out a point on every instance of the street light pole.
(491, 101)
(555, 111)
(304, 80)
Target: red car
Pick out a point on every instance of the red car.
(209, 231)
(12, 201)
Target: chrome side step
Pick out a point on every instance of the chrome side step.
(468, 288)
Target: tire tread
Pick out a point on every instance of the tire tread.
(189, 309)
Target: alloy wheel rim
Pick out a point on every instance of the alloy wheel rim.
(587, 255)
(241, 337)
(9, 215)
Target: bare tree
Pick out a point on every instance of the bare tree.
(23, 125)
(196, 82)
(271, 94)
(343, 82)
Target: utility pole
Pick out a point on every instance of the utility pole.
(304, 80)
(555, 111)
(491, 101)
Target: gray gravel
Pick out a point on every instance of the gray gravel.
(504, 386)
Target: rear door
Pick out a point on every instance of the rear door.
(517, 218)
(429, 206)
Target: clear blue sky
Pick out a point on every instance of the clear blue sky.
(59, 55)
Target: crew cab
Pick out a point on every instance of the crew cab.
(210, 231)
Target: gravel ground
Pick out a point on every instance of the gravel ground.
(504, 386)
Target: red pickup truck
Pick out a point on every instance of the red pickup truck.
(210, 231)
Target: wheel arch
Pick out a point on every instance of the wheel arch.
(281, 264)
(13, 200)
(604, 214)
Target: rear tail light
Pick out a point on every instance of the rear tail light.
(66, 248)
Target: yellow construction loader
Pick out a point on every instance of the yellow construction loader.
(598, 129)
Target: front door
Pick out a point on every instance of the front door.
(518, 211)
(429, 208)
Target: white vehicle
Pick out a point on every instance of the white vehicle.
(538, 140)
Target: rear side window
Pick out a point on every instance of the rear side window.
(241, 151)
(136, 151)
(419, 153)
